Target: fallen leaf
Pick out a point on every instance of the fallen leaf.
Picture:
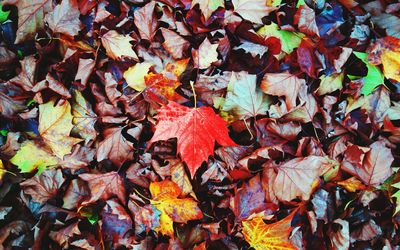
(249, 199)
(31, 157)
(30, 17)
(340, 239)
(26, 78)
(172, 208)
(115, 147)
(196, 130)
(273, 236)
(116, 222)
(84, 118)
(44, 186)
(65, 18)
(243, 98)
(104, 186)
(207, 7)
(145, 21)
(374, 77)
(330, 84)
(371, 165)
(205, 55)
(283, 84)
(118, 46)
(388, 52)
(55, 125)
(134, 76)
(299, 177)
(65, 234)
(174, 43)
(252, 10)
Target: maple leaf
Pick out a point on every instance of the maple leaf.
(174, 43)
(243, 98)
(207, 7)
(118, 46)
(145, 21)
(205, 55)
(44, 186)
(172, 208)
(273, 236)
(104, 186)
(85, 69)
(31, 157)
(371, 165)
(30, 17)
(283, 84)
(115, 147)
(75, 194)
(196, 130)
(252, 10)
(55, 125)
(299, 177)
(65, 18)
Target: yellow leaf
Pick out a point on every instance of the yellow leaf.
(2, 170)
(31, 157)
(55, 124)
(273, 236)
(134, 76)
(177, 67)
(172, 208)
(387, 51)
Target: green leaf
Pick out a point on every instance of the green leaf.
(373, 79)
(3, 14)
(289, 40)
(299, 3)
(3, 132)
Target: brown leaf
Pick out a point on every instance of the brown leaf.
(299, 177)
(26, 78)
(65, 18)
(371, 165)
(174, 43)
(205, 55)
(104, 186)
(30, 17)
(63, 236)
(145, 21)
(75, 194)
(44, 186)
(85, 69)
(283, 84)
(340, 239)
(115, 147)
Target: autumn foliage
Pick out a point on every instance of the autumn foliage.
(204, 124)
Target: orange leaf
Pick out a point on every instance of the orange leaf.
(172, 208)
(273, 236)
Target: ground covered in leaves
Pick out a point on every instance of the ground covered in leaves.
(204, 124)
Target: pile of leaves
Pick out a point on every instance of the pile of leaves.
(203, 124)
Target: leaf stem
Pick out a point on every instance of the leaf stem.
(194, 94)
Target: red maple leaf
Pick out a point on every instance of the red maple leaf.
(196, 130)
